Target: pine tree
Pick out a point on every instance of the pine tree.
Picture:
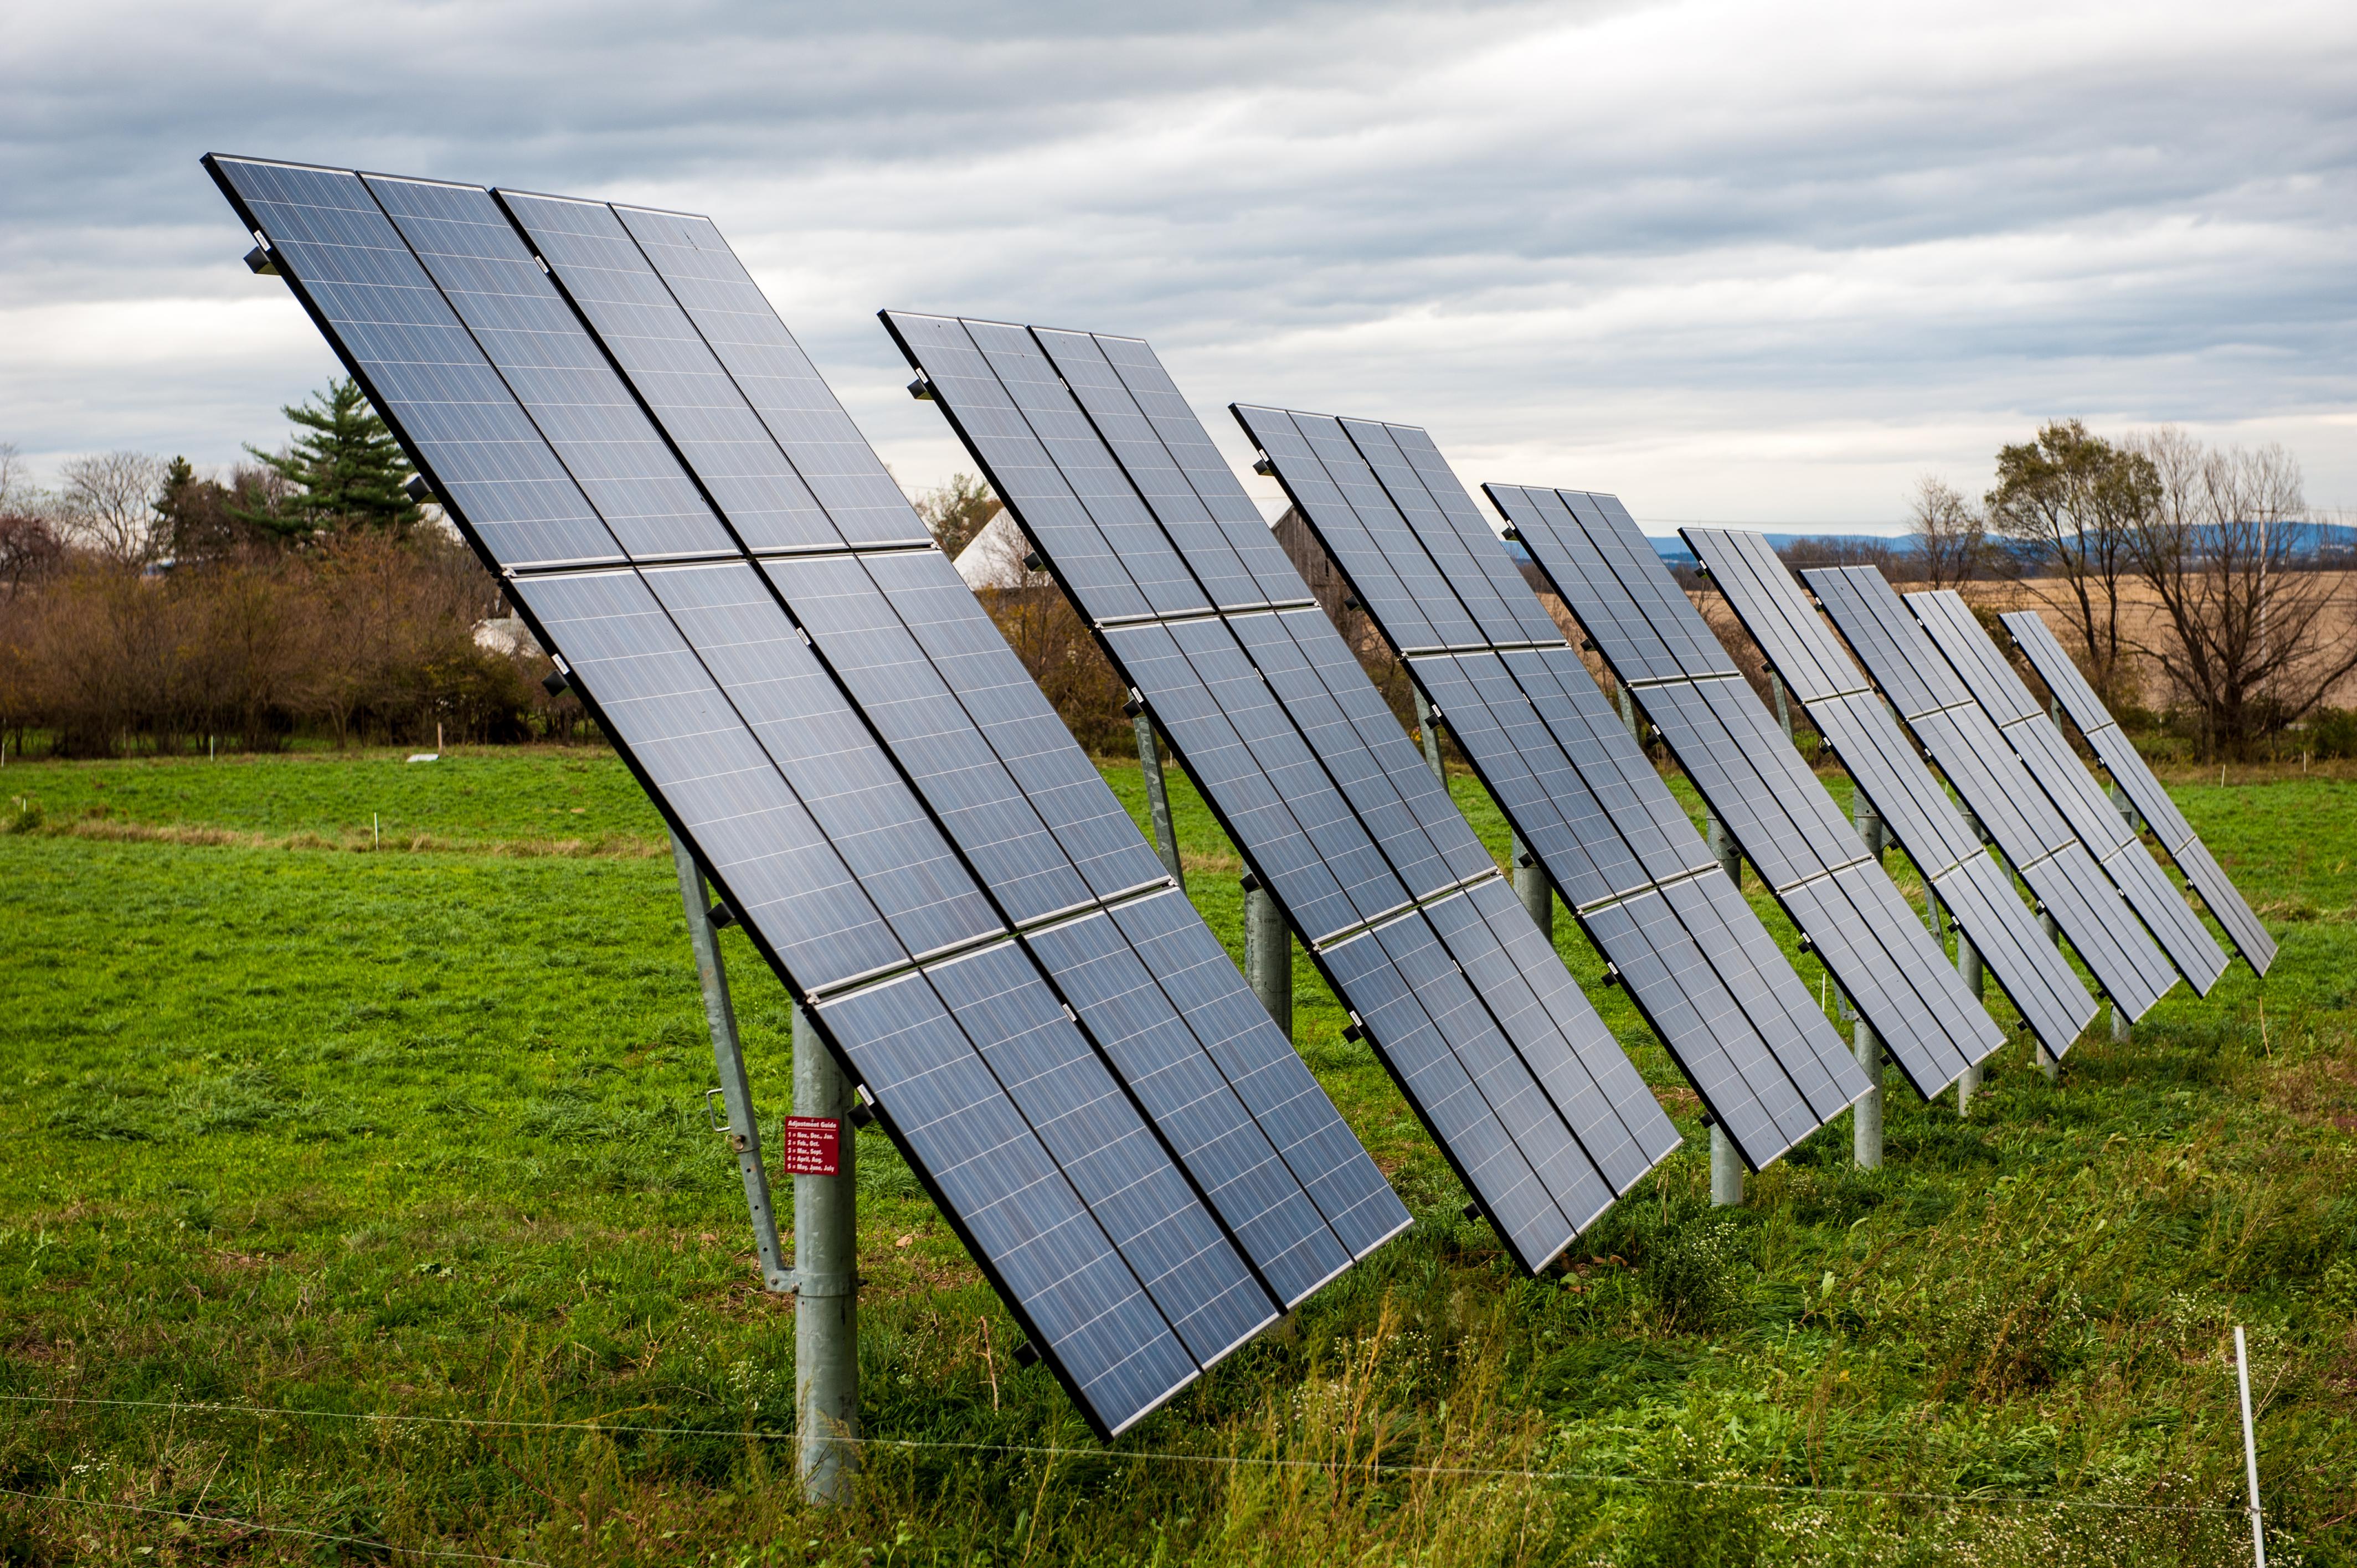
(349, 471)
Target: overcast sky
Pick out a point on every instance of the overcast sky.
(1737, 262)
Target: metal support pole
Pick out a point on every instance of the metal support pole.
(1268, 957)
(1726, 1170)
(2046, 1063)
(2250, 1450)
(1968, 967)
(826, 1285)
(1783, 704)
(744, 1131)
(1723, 850)
(2119, 1024)
(1158, 800)
(1628, 717)
(1865, 1116)
(1869, 822)
(1531, 887)
(1427, 727)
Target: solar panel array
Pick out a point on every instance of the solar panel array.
(1131, 507)
(1993, 783)
(622, 428)
(2126, 766)
(1582, 797)
(1859, 727)
(1754, 781)
(2067, 782)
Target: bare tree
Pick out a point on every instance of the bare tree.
(28, 549)
(17, 493)
(2259, 634)
(2069, 500)
(1951, 536)
(106, 504)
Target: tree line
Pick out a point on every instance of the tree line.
(144, 606)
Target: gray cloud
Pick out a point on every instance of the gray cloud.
(1739, 262)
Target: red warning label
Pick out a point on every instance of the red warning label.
(812, 1145)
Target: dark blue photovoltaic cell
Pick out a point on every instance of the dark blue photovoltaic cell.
(420, 365)
(1018, 467)
(1291, 769)
(752, 743)
(1417, 1036)
(1389, 537)
(1377, 728)
(1255, 812)
(1303, 762)
(1433, 528)
(773, 863)
(1754, 781)
(1088, 469)
(554, 368)
(1114, 1160)
(1013, 715)
(1137, 448)
(979, 804)
(1481, 543)
(611, 281)
(1149, 1045)
(1003, 1189)
(1259, 1063)
(2128, 769)
(1996, 785)
(2093, 817)
(1354, 767)
(830, 758)
(834, 460)
(1373, 572)
(1215, 484)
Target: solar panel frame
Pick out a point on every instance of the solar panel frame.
(835, 990)
(1889, 772)
(1243, 739)
(1816, 867)
(1601, 825)
(2059, 772)
(2151, 798)
(1959, 737)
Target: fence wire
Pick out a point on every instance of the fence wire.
(1120, 1456)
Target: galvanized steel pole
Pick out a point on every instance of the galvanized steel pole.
(826, 1285)
(1268, 957)
(1531, 885)
(744, 1131)
(1725, 1165)
(1157, 798)
(2250, 1450)
(1427, 728)
(1968, 967)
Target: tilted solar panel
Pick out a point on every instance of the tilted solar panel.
(1147, 1179)
(2127, 767)
(1859, 727)
(1120, 491)
(1569, 777)
(1658, 644)
(2002, 695)
(1995, 786)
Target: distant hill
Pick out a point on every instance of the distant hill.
(2336, 536)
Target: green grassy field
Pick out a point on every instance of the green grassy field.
(340, 1086)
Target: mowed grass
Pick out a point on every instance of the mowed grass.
(357, 1089)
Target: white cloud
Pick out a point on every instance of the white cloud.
(1738, 261)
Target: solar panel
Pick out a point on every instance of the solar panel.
(1993, 785)
(2151, 798)
(1755, 783)
(2003, 696)
(1862, 733)
(1120, 491)
(1142, 1166)
(1569, 777)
